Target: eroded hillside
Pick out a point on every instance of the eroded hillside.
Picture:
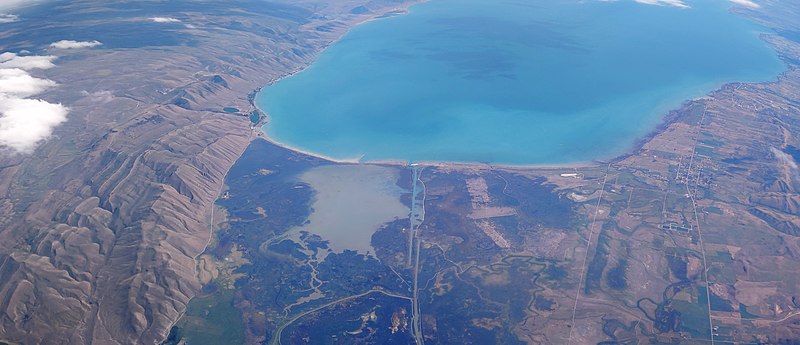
(102, 223)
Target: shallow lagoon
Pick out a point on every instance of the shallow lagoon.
(512, 81)
(351, 202)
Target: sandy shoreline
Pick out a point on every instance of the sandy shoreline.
(260, 135)
(668, 119)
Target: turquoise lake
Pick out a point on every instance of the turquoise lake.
(512, 81)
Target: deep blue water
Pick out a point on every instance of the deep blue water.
(512, 81)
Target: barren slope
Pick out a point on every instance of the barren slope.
(100, 227)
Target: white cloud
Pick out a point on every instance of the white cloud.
(6, 5)
(99, 96)
(25, 122)
(784, 158)
(8, 18)
(673, 3)
(11, 60)
(18, 83)
(70, 44)
(15, 4)
(746, 3)
(165, 20)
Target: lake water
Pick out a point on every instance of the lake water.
(512, 81)
(351, 202)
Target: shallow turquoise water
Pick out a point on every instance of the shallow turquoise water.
(512, 81)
